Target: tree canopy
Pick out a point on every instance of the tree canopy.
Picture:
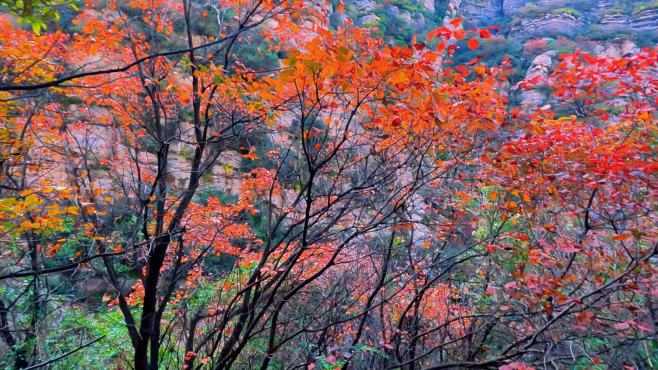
(238, 184)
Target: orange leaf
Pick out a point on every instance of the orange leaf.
(622, 237)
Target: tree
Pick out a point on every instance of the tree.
(393, 210)
(36, 12)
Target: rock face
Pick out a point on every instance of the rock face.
(548, 25)
(615, 21)
(405, 16)
(558, 17)
(584, 23)
(646, 20)
(368, 20)
(452, 10)
(616, 48)
(365, 5)
(643, 20)
(428, 6)
(539, 70)
(511, 6)
(481, 11)
(524, 18)
(541, 67)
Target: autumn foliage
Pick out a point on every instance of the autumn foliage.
(353, 205)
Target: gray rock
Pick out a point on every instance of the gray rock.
(646, 20)
(510, 6)
(616, 48)
(368, 20)
(365, 5)
(339, 18)
(540, 68)
(548, 25)
(392, 9)
(418, 20)
(428, 5)
(615, 21)
(481, 12)
(605, 4)
(405, 16)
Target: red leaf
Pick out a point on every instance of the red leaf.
(456, 22)
(473, 44)
(485, 34)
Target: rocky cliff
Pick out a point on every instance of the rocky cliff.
(519, 19)
(532, 32)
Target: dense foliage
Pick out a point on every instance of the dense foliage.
(244, 184)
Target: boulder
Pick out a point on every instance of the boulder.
(365, 5)
(616, 48)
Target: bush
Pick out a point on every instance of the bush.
(535, 46)
(570, 11)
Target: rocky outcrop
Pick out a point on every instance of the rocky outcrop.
(511, 6)
(519, 20)
(368, 20)
(226, 174)
(605, 4)
(539, 70)
(548, 25)
(452, 9)
(646, 20)
(405, 16)
(365, 5)
(481, 12)
(428, 6)
(615, 21)
(616, 48)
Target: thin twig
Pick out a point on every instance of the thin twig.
(64, 354)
